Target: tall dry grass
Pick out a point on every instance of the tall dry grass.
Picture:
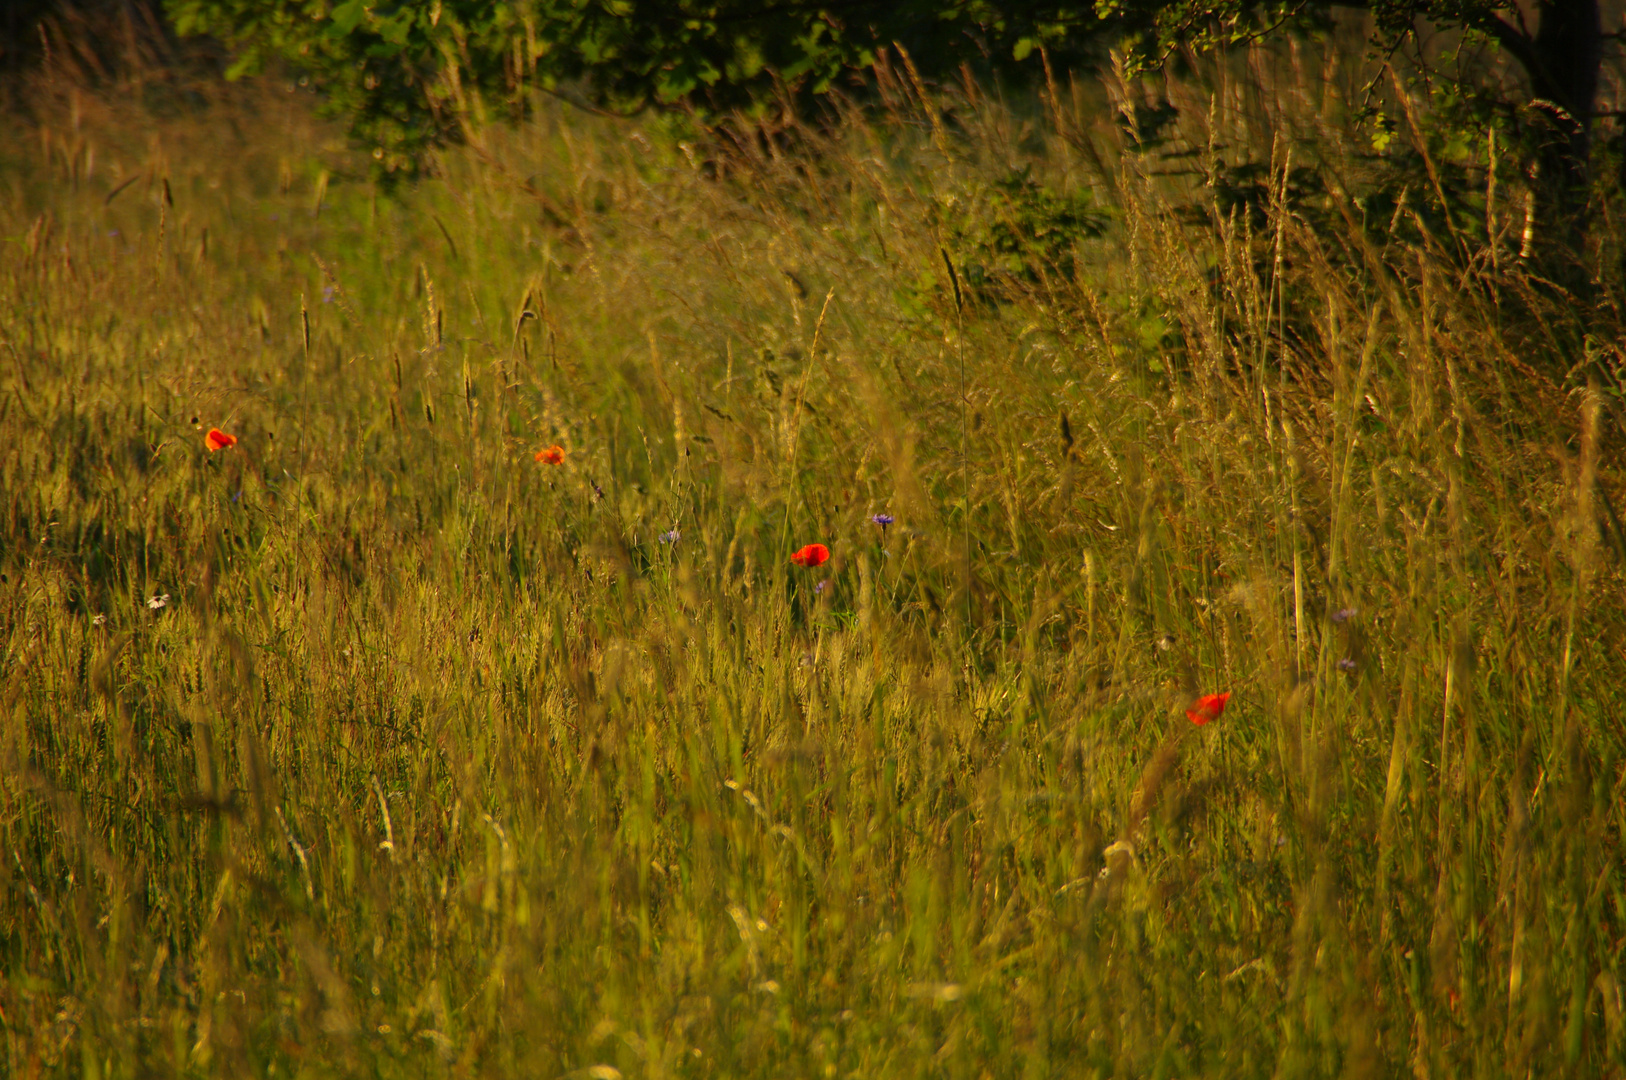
(441, 760)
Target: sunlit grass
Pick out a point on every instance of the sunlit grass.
(444, 757)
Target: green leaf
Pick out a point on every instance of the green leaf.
(347, 16)
(396, 30)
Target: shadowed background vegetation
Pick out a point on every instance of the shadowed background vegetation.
(373, 745)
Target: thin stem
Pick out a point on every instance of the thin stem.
(796, 428)
(965, 439)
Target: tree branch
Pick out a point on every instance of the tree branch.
(1513, 39)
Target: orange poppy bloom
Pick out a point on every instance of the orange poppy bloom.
(218, 440)
(553, 455)
(1208, 707)
(812, 555)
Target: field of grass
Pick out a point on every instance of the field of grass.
(374, 745)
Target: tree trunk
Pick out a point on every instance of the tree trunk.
(1569, 55)
(1563, 61)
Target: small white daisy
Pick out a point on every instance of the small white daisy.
(158, 601)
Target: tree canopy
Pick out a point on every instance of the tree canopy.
(405, 71)
(394, 68)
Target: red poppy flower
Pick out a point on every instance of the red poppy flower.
(1208, 707)
(218, 440)
(812, 555)
(553, 455)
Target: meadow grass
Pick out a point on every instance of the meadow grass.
(441, 760)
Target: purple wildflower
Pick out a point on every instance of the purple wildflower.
(1344, 614)
(883, 520)
(670, 537)
(819, 588)
(1346, 664)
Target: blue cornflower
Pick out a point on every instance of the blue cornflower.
(883, 520)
